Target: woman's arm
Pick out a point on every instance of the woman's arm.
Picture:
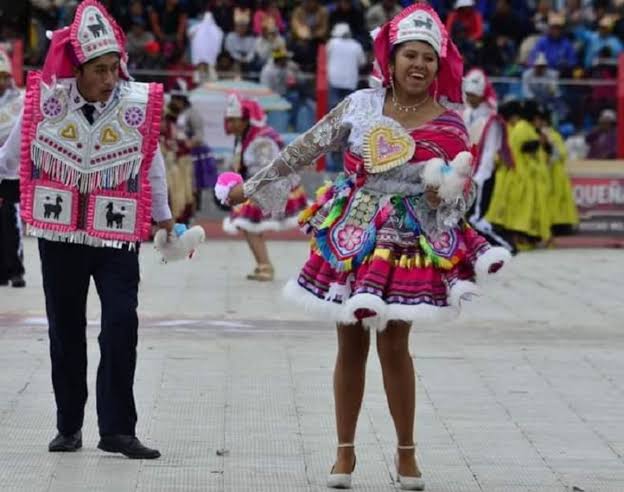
(270, 186)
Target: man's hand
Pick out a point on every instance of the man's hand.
(432, 197)
(236, 196)
(167, 225)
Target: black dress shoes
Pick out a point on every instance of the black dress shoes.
(18, 282)
(66, 444)
(129, 446)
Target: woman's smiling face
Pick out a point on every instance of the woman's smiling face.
(415, 67)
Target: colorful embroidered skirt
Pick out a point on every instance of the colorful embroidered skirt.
(249, 217)
(370, 260)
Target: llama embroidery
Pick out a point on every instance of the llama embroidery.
(55, 209)
(97, 29)
(114, 219)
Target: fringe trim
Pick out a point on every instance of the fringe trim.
(61, 171)
(78, 237)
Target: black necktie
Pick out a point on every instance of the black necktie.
(88, 110)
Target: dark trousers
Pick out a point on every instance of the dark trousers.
(11, 247)
(66, 270)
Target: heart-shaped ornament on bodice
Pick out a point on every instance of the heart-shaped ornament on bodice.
(387, 147)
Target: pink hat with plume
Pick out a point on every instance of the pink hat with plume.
(92, 33)
(419, 22)
(476, 82)
(242, 107)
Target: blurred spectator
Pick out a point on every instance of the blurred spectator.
(169, 26)
(345, 57)
(618, 27)
(206, 42)
(506, 23)
(580, 12)
(136, 40)
(540, 82)
(280, 73)
(267, 10)
(346, 12)
(604, 38)
(268, 42)
(558, 49)
(240, 43)
(152, 60)
(135, 14)
(181, 69)
(309, 27)
(540, 18)
(47, 12)
(223, 13)
(604, 69)
(466, 46)
(466, 14)
(602, 140)
(575, 143)
(227, 68)
(381, 12)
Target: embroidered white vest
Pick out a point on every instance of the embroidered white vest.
(88, 183)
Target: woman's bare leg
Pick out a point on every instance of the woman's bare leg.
(258, 247)
(400, 385)
(349, 377)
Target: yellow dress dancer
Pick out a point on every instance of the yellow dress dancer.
(528, 184)
(563, 212)
(497, 211)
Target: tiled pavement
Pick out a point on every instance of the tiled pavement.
(525, 392)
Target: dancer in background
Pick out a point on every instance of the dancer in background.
(488, 133)
(11, 246)
(256, 146)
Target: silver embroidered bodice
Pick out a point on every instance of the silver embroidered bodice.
(344, 128)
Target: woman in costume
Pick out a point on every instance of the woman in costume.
(563, 212)
(525, 212)
(256, 146)
(390, 244)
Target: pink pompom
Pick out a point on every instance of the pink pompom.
(229, 179)
(225, 182)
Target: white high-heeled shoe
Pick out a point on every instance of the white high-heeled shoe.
(408, 483)
(341, 480)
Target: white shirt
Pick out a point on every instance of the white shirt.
(11, 150)
(345, 56)
(491, 144)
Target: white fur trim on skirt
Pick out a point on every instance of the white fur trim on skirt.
(490, 257)
(345, 313)
(234, 226)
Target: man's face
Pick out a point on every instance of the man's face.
(5, 82)
(97, 79)
(555, 31)
(473, 100)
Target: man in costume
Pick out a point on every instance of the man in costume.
(488, 133)
(91, 179)
(11, 248)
